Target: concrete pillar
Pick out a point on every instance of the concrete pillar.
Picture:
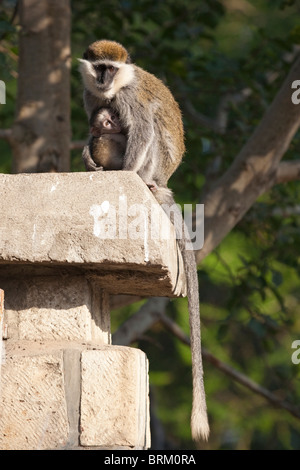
(63, 385)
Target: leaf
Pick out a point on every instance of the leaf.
(257, 328)
(277, 278)
(222, 331)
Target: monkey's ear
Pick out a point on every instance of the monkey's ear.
(128, 60)
(85, 55)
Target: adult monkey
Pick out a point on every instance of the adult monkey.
(152, 121)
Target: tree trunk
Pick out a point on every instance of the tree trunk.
(41, 132)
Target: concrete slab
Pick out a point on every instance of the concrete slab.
(107, 224)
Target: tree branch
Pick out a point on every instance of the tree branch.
(250, 384)
(221, 120)
(287, 171)
(253, 170)
(77, 144)
(287, 211)
(219, 123)
(231, 372)
(137, 324)
(153, 311)
(198, 117)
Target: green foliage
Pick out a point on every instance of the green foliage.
(8, 72)
(205, 51)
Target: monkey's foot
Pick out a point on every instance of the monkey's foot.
(152, 186)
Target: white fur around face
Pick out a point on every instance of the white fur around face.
(88, 74)
(123, 77)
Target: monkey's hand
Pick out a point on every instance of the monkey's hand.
(97, 168)
(89, 163)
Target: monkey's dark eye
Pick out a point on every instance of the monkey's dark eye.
(111, 68)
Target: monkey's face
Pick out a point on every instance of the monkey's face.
(104, 78)
(104, 75)
(105, 122)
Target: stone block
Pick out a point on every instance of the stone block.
(114, 400)
(53, 308)
(33, 413)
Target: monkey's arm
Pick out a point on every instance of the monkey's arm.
(140, 137)
(89, 163)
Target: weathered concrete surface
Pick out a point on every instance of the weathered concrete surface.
(114, 399)
(67, 395)
(33, 409)
(54, 309)
(61, 220)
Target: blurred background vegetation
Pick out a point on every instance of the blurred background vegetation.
(249, 286)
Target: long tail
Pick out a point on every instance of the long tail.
(199, 420)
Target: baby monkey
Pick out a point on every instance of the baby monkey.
(106, 147)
